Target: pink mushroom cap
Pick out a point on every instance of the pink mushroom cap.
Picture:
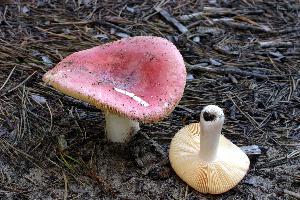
(141, 77)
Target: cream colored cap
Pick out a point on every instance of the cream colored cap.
(214, 177)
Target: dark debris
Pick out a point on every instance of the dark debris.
(243, 56)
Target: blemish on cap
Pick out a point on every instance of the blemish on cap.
(133, 96)
(50, 77)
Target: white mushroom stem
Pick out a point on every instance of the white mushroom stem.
(211, 121)
(119, 128)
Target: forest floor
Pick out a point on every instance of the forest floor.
(241, 55)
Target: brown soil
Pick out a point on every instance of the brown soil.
(248, 65)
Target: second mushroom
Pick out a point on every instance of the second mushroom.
(204, 158)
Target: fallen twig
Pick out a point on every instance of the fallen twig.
(224, 71)
(270, 44)
(200, 15)
(7, 78)
(242, 26)
(294, 194)
(169, 18)
(16, 190)
(20, 83)
(93, 174)
(60, 35)
(66, 185)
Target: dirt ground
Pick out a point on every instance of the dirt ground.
(240, 55)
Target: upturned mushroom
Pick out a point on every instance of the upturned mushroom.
(138, 79)
(204, 158)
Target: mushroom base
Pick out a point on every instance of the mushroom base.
(120, 129)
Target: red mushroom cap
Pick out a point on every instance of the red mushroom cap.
(141, 77)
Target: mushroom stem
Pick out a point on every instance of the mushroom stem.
(211, 121)
(120, 128)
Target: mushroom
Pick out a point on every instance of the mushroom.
(204, 158)
(138, 79)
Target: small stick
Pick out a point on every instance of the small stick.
(225, 71)
(91, 175)
(199, 15)
(95, 175)
(7, 78)
(25, 154)
(22, 82)
(51, 118)
(117, 27)
(169, 18)
(253, 121)
(248, 20)
(244, 26)
(60, 35)
(277, 44)
(16, 190)
(102, 31)
(297, 195)
(66, 185)
(75, 23)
